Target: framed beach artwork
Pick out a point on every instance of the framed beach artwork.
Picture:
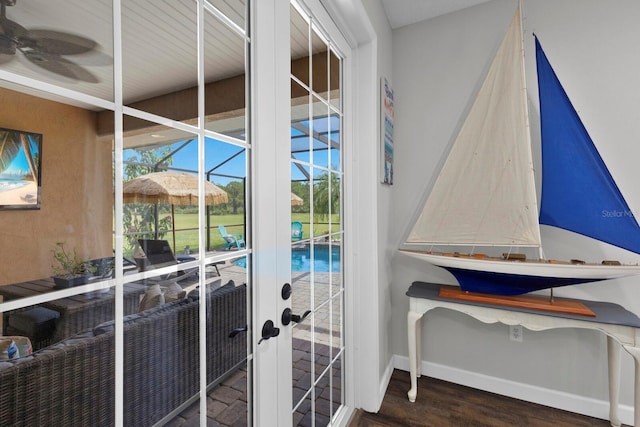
(386, 131)
(20, 169)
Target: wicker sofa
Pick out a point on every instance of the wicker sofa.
(72, 382)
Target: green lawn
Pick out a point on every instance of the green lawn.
(187, 233)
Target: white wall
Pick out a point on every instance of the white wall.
(385, 250)
(365, 25)
(437, 64)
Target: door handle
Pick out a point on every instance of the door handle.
(236, 331)
(288, 316)
(269, 330)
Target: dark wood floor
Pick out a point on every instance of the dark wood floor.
(442, 404)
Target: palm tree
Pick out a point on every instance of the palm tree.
(326, 196)
(235, 193)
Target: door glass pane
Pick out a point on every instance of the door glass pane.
(319, 64)
(61, 43)
(160, 189)
(320, 131)
(322, 269)
(232, 10)
(335, 80)
(322, 339)
(227, 285)
(300, 203)
(337, 390)
(227, 375)
(300, 123)
(300, 47)
(159, 59)
(321, 202)
(56, 202)
(335, 224)
(322, 400)
(302, 359)
(160, 195)
(225, 78)
(303, 412)
(226, 167)
(335, 138)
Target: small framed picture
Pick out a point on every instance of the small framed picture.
(386, 131)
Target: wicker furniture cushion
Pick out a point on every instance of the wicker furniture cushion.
(8, 349)
(22, 343)
(173, 292)
(34, 322)
(152, 298)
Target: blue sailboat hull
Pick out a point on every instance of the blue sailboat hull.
(500, 277)
(489, 282)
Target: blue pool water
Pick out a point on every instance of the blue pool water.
(301, 259)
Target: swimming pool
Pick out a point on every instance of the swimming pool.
(301, 259)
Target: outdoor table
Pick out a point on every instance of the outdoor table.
(78, 312)
(621, 327)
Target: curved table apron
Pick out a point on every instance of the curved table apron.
(621, 327)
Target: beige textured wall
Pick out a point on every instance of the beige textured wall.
(76, 192)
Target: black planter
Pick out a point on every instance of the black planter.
(63, 282)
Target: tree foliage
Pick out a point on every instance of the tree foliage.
(139, 219)
(235, 194)
(326, 196)
(301, 189)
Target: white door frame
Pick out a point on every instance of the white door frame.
(270, 216)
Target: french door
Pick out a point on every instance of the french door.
(222, 300)
(299, 236)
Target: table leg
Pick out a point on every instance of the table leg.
(635, 353)
(412, 321)
(613, 357)
(419, 347)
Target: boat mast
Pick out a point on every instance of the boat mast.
(524, 99)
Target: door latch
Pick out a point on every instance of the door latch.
(288, 316)
(269, 330)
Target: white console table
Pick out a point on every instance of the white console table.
(621, 327)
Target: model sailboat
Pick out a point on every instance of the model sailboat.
(485, 194)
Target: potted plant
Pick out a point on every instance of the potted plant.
(69, 269)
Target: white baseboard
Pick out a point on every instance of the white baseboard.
(384, 381)
(542, 396)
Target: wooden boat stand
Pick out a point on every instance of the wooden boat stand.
(531, 302)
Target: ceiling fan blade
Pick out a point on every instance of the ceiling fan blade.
(56, 42)
(61, 66)
(11, 28)
(7, 46)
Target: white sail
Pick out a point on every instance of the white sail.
(482, 196)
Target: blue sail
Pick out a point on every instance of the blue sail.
(578, 192)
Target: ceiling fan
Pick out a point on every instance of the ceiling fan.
(43, 48)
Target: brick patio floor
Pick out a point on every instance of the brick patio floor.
(227, 403)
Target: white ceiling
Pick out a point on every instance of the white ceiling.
(159, 41)
(405, 12)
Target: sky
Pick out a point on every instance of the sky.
(217, 152)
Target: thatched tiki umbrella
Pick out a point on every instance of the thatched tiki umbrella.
(296, 200)
(172, 188)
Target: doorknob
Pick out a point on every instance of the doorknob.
(269, 330)
(286, 291)
(288, 317)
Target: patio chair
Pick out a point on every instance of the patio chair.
(231, 240)
(296, 230)
(158, 254)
